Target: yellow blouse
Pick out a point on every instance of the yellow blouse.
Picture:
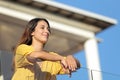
(25, 70)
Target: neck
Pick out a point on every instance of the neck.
(38, 46)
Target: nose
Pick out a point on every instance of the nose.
(47, 31)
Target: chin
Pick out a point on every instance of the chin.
(44, 41)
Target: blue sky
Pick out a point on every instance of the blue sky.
(109, 48)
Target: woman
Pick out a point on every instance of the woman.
(32, 62)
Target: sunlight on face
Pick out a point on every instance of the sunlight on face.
(42, 32)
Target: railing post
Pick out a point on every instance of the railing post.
(91, 74)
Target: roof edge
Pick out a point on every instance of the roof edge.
(78, 11)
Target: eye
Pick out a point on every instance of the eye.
(42, 27)
(48, 28)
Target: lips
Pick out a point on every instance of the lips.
(45, 34)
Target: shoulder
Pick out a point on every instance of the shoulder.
(24, 47)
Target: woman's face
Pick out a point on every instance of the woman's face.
(41, 32)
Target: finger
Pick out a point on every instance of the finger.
(69, 64)
(64, 63)
(73, 62)
(72, 65)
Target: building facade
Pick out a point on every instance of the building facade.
(73, 28)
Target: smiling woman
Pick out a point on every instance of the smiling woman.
(32, 62)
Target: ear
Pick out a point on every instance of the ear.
(32, 33)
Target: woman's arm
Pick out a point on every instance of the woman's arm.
(69, 63)
(46, 56)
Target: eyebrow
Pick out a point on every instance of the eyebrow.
(44, 25)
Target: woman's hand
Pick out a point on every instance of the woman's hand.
(64, 63)
(71, 63)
